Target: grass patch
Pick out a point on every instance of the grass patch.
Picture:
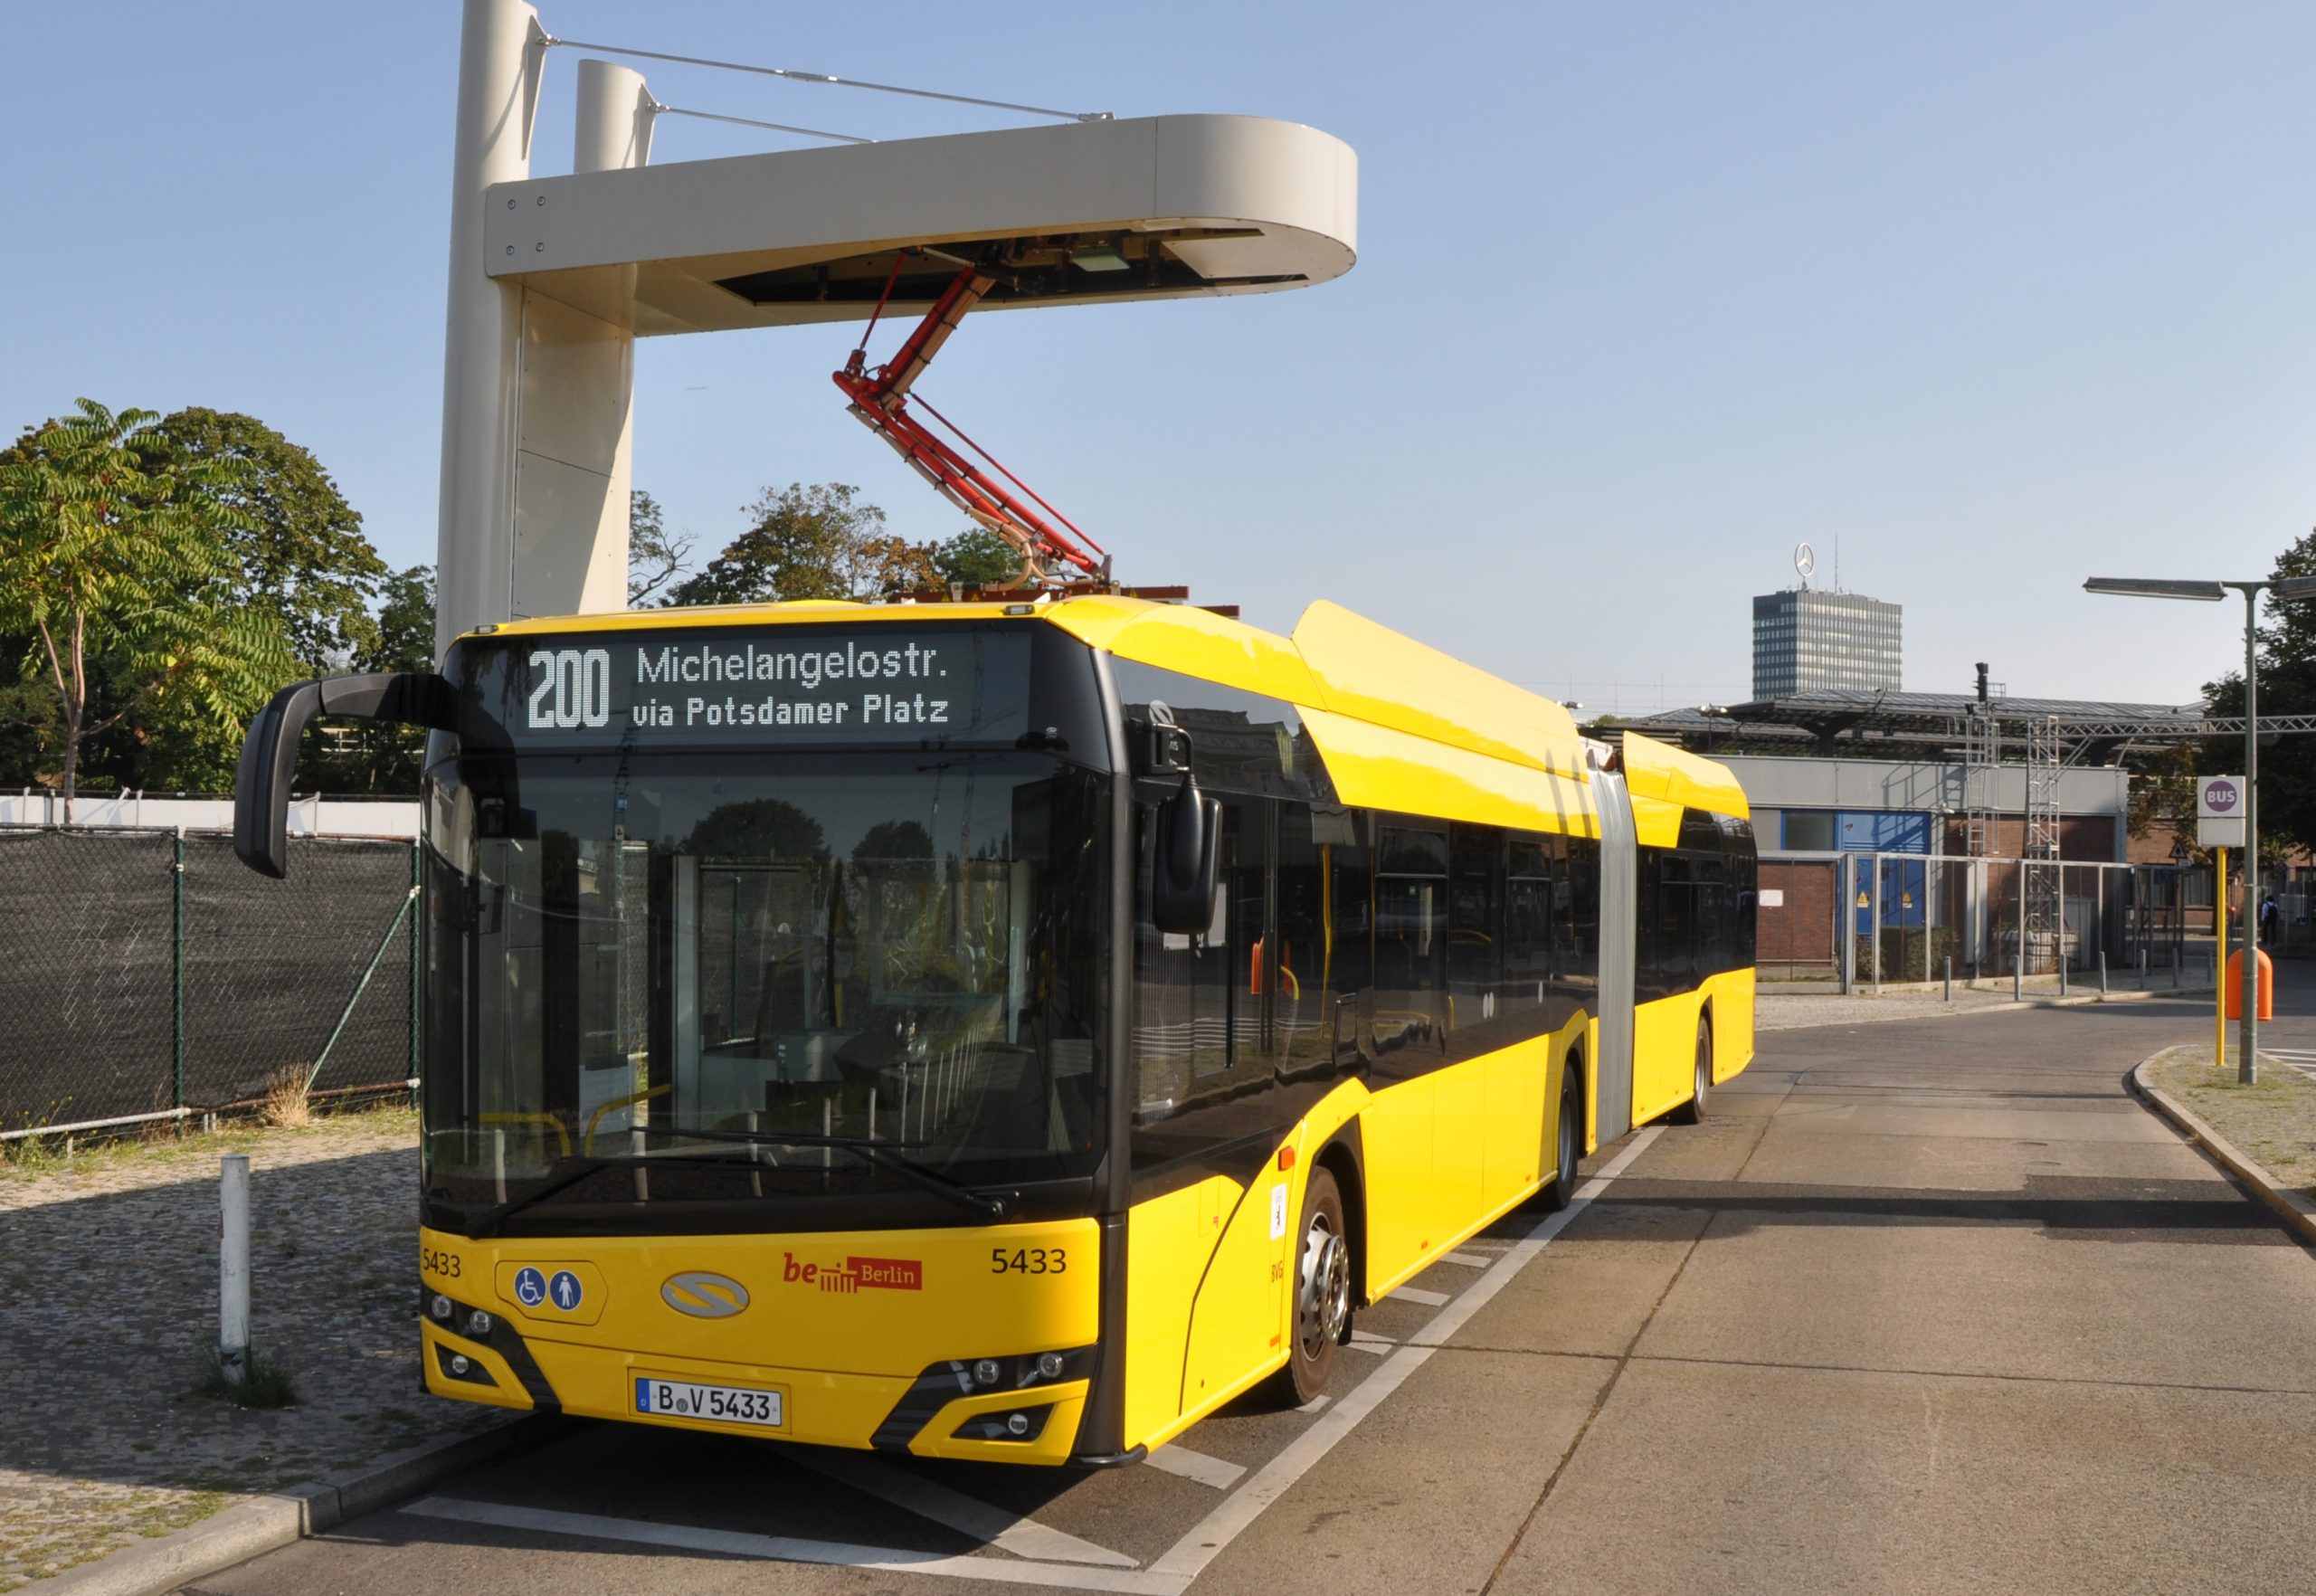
(174, 1140)
(2274, 1122)
(264, 1384)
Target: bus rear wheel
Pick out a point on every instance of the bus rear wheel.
(1693, 1111)
(1569, 1147)
(1322, 1291)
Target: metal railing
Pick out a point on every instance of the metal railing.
(1876, 919)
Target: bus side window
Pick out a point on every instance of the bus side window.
(1475, 928)
(1411, 943)
(1297, 962)
(1676, 945)
(1536, 927)
(1349, 960)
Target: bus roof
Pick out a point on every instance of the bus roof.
(1334, 661)
(1659, 771)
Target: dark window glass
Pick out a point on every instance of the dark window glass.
(1808, 830)
(1240, 741)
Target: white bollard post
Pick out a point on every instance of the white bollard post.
(234, 1267)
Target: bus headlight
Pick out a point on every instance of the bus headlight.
(987, 1371)
(440, 1307)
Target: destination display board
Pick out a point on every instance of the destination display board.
(758, 686)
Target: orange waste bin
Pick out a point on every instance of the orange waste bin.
(2235, 986)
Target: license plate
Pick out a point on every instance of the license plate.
(722, 1404)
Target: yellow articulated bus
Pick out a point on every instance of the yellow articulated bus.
(1009, 1031)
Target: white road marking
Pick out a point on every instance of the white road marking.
(1415, 1294)
(1470, 1261)
(788, 1549)
(1381, 1349)
(1316, 1403)
(1196, 1466)
(1024, 1538)
(1188, 1557)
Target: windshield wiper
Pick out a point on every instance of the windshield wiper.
(579, 1171)
(885, 1153)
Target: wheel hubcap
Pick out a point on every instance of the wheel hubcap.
(1568, 1145)
(1324, 1295)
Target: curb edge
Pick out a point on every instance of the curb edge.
(2298, 1215)
(265, 1524)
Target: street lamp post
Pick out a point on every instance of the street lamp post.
(2288, 588)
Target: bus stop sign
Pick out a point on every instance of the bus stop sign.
(2220, 812)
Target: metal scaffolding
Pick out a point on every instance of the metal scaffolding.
(2041, 879)
(1981, 758)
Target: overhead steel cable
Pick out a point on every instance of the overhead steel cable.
(802, 77)
(676, 110)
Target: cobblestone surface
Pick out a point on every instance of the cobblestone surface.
(108, 1265)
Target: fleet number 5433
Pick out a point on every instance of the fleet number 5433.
(1029, 1261)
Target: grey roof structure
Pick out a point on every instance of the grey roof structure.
(1903, 724)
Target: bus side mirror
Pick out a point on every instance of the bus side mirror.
(270, 749)
(1185, 865)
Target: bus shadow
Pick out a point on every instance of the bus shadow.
(2062, 1208)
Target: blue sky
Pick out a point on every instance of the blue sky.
(1995, 296)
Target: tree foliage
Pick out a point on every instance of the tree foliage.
(116, 565)
(977, 557)
(372, 756)
(825, 542)
(2287, 649)
(297, 545)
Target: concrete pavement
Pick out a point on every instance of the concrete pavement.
(1921, 1308)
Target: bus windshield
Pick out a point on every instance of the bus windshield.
(835, 946)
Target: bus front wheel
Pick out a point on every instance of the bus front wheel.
(1321, 1290)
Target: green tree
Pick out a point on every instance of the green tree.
(115, 562)
(977, 557)
(656, 557)
(406, 623)
(368, 755)
(2287, 645)
(297, 546)
(811, 543)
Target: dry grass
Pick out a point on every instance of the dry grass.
(289, 1103)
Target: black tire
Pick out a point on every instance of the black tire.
(1692, 1112)
(1322, 1265)
(1568, 1144)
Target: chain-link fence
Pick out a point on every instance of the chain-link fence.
(1910, 917)
(149, 974)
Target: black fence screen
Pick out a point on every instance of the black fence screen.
(148, 972)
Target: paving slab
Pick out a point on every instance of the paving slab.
(1439, 1487)
(1593, 1291)
(1948, 1285)
(1799, 1151)
(1742, 1481)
